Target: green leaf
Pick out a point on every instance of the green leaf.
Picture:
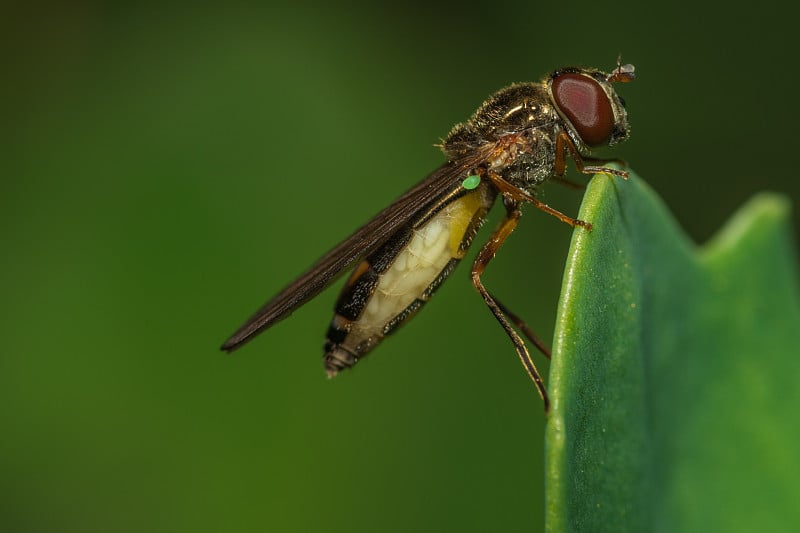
(675, 380)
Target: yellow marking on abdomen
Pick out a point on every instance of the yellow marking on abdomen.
(415, 268)
(464, 210)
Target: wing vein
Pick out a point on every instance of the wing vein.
(362, 242)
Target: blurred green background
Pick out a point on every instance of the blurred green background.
(164, 170)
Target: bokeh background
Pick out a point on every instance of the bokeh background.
(164, 170)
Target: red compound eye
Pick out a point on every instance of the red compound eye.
(586, 106)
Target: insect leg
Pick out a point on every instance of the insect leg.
(564, 143)
(604, 160)
(484, 257)
(523, 327)
(518, 195)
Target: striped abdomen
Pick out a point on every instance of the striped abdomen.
(393, 282)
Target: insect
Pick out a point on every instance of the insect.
(519, 138)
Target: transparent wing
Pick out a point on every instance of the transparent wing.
(365, 240)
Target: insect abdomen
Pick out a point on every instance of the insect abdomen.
(394, 282)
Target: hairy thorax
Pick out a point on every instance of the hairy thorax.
(523, 122)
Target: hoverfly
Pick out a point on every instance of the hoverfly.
(519, 138)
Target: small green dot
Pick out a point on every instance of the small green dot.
(470, 182)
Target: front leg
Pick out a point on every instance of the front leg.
(564, 144)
